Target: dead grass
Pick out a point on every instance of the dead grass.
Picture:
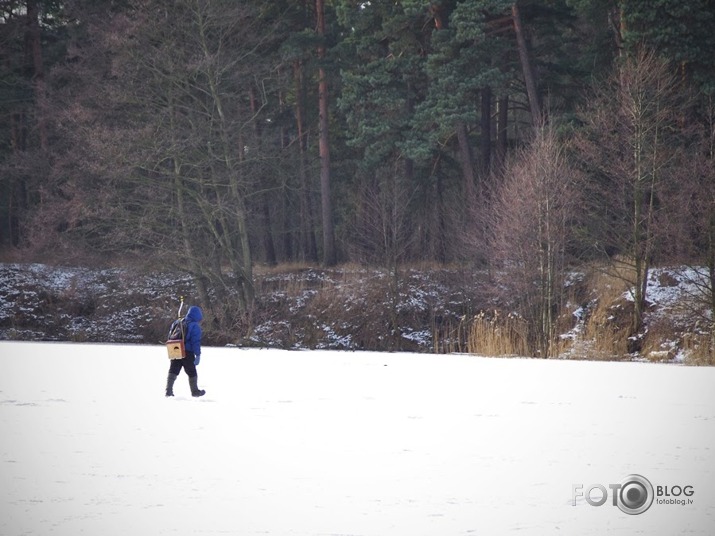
(699, 349)
(497, 335)
(355, 307)
(660, 340)
(450, 335)
(607, 326)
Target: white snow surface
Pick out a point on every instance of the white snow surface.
(337, 443)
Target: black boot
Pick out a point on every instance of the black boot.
(170, 384)
(194, 384)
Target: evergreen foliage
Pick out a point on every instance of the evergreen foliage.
(194, 126)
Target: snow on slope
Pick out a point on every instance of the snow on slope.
(331, 443)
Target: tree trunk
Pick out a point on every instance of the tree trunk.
(441, 234)
(467, 161)
(269, 248)
(466, 157)
(38, 75)
(502, 131)
(527, 68)
(329, 255)
(236, 248)
(617, 20)
(194, 265)
(309, 247)
(287, 225)
(486, 131)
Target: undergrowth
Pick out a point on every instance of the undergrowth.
(433, 309)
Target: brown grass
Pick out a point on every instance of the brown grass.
(498, 335)
(451, 335)
(608, 324)
(659, 340)
(699, 349)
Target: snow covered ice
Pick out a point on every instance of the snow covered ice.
(334, 443)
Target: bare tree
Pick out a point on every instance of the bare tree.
(169, 127)
(689, 219)
(532, 227)
(382, 234)
(628, 149)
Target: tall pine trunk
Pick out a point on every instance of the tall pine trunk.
(308, 245)
(486, 131)
(329, 255)
(527, 68)
(266, 229)
(38, 72)
(502, 132)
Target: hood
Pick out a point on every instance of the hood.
(194, 314)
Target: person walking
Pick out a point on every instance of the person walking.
(192, 345)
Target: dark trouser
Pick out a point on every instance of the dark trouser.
(187, 363)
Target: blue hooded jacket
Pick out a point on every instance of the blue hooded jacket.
(192, 339)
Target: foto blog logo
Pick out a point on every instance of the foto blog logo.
(633, 495)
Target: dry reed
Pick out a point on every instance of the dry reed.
(498, 335)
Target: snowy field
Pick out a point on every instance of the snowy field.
(331, 443)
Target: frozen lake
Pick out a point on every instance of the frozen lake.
(332, 443)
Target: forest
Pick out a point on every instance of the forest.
(526, 139)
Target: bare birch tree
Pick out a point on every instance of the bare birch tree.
(628, 148)
(533, 224)
(689, 221)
